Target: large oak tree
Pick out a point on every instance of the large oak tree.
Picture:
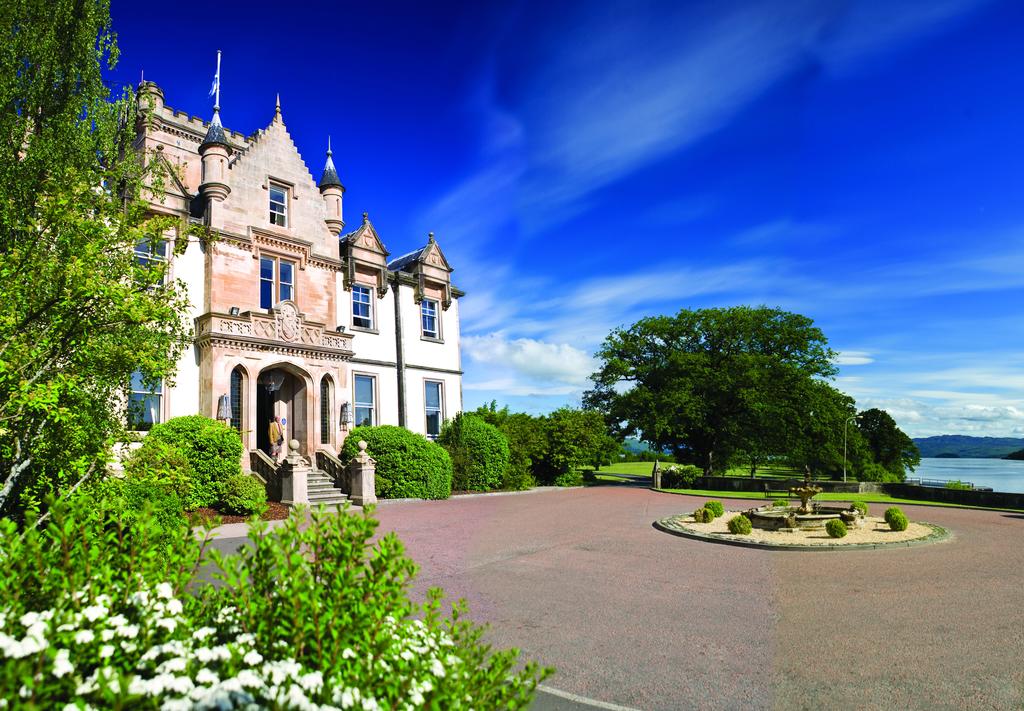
(710, 383)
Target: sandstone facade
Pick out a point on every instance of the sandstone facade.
(293, 317)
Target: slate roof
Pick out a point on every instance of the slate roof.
(330, 176)
(405, 260)
(215, 136)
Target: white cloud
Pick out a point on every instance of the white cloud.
(853, 358)
(527, 366)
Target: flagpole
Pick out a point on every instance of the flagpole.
(216, 105)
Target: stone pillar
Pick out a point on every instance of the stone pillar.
(656, 475)
(362, 475)
(294, 473)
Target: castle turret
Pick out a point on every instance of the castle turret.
(215, 151)
(332, 191)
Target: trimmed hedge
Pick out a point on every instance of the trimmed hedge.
(570, 478)
(861, 506)
(408, 464)
(740, 525)
(899, 522)
(244, 496)
(836, 528)
(479, 453)
(680, 476)
(213, 451)
(715, 507)
(892, 511)
(703, 515)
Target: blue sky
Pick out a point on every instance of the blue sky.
(585, 164)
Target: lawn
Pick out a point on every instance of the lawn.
(625, 471)
(644, 468)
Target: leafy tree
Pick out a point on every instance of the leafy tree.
(709, 383)
(817, 440)
(576, 438)
(889, 445)
(81, 311)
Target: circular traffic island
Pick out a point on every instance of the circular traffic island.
(785, 528)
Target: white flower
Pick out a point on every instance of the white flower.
(117, 621)
(407, 655)
(173, 665)
(437, 668)
(29, 619)
(128, 631)
(107, 635)
(174, 606)
(252, 658)
(140, 598)
(205, 676)
(94, 612)
(169, 623)
(165, 591)
(84, 636)
(348, 654)
(202, 633)
(62, 665)
(106, 651)
(311, 682)
(247, 638)
(346, 699)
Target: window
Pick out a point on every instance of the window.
(366, 415)
(236, 399)
(276, 276)
(278, 205)
(325, 411)
(428, 319)
(143, 403)
(434, 406)
(151, 254)
(362, 307)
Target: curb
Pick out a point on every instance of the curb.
(668, 525)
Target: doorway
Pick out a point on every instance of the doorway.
(280, 394)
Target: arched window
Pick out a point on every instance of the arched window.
(236, 399)
(325, 411)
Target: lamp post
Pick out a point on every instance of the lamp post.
(846, 425)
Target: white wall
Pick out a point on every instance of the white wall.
(183, 397)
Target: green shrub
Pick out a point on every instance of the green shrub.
(861, 506)
(680, 476)
(715, 506)
(244, 496)
(127, 497)
(212, 449)
(570, 478)
(899, 522)
(408, 464)
(780, 503)
(959, 485)
(703, 515)
(836, 528)
(740, 525)
(161, 462)
(95, 614)
(892, 511)
(478, 450)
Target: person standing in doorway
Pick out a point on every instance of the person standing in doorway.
(276, 436)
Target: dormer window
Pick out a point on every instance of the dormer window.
(362, 307)
(278, 205)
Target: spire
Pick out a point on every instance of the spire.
(277, 109)
(330, 175)
(215, 134)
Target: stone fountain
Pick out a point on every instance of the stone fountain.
(807, 515)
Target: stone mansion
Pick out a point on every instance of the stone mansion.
(294, 316)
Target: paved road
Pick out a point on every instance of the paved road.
(579, 579)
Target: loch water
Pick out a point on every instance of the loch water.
(999, 474)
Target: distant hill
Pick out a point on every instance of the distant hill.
(967, 446)
(632, 444)
(1019, 455)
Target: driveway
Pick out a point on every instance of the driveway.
(633, 617)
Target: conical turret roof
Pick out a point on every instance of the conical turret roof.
(215, 135)
(330, 176)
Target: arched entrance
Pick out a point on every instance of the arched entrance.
(282, 393)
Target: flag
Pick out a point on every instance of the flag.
(216, 83)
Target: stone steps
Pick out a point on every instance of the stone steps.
(321, 490)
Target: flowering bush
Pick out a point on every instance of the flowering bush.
(95, 616)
